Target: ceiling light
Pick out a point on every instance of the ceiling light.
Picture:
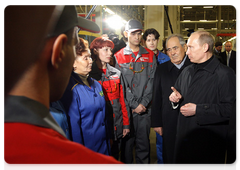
(208, 7)
(115, 22)
(187, 7)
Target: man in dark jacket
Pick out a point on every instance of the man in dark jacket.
(121, 43)
(205, 92)
(229, 56)
(163, 117)
(217, 48)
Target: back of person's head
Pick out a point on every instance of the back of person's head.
(151, 31)
(98, 43)
(218, 43)
(25, 29)
(64, 55)
(206, 37)
(180, 38)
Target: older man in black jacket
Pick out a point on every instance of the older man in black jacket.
(205, 92)
(163, 117)
(228, 57)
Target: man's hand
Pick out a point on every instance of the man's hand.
(159, 130)
(175, 96)
(188, 109)
(126, 132)
(140, 109)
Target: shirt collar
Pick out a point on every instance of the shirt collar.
(185, 62)
(127, 51)
(229, 52)
(20, 109)
(179, 66)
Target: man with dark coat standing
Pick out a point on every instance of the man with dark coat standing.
(205, 92)
(163, 117)
(217, 48)
(229, 56)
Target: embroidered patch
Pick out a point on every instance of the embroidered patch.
(144, 59)
(101, 93)
(115, 76)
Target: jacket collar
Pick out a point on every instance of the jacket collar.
(186, 63)
(21, 109)
(95, 70)
(76, 77)
(212, 65)
(127, 51)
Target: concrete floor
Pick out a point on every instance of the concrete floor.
(153, 154)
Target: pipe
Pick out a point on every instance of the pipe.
(91, 10)
(168, 18)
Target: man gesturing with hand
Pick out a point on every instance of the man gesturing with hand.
(205, 93)
(188, 109)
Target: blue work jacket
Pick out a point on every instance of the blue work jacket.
(86, 109)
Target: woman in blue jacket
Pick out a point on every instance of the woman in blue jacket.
(85, 104)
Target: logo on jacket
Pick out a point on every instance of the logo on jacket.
(115, 76)
(144, 59)
(101, 93)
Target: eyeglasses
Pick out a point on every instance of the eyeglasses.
(174, 48)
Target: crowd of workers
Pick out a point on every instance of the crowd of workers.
(95, 103)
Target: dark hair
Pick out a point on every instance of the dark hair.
(82, 46)
(218, 43)
(151, 31)
(100, 42)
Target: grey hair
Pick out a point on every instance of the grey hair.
(180, 38)
(206, 37)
